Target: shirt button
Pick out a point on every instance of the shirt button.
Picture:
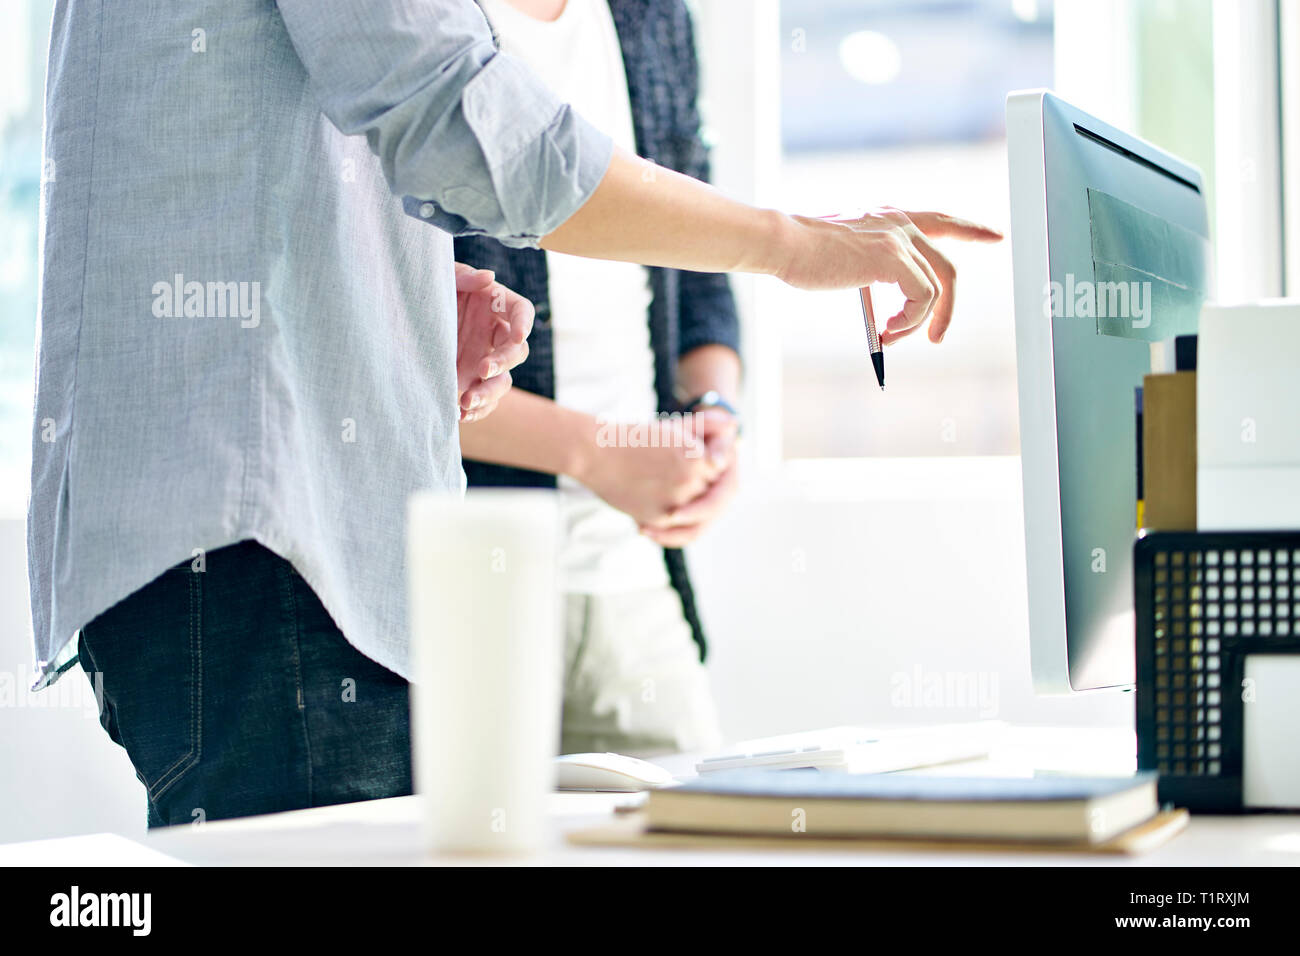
(426, 210)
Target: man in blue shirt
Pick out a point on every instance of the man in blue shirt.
(254, 346)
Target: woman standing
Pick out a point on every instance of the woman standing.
(615, 344)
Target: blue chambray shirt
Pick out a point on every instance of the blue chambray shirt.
(247, 304)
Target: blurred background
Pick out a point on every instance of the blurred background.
(901, 103)
(876, 550)
(22, 82)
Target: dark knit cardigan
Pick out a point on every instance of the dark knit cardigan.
(687, 309)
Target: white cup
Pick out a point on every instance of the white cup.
(487, 658)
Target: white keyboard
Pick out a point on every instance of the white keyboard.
(861, 749)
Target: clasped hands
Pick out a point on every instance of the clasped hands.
(673, 475)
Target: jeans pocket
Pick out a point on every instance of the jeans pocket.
(148, 653)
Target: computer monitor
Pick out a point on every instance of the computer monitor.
(1111, 252)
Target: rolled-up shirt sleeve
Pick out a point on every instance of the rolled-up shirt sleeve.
(469, 137)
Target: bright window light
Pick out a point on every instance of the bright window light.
(871, 57)
(1025, 10)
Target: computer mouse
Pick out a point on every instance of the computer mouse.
(608, 772)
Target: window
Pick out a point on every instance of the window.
(902, 102)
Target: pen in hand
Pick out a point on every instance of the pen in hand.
(873, 340)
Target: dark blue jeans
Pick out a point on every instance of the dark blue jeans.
(233, 693)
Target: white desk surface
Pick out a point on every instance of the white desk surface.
(386, 832)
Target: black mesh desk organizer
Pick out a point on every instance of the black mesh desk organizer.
(1204, 602)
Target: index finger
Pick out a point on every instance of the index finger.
(940, 225)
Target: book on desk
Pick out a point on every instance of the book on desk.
(813, 809)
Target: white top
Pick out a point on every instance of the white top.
(604, 365)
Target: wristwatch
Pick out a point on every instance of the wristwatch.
(712, 399)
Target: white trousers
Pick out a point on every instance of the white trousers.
(633, 681)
